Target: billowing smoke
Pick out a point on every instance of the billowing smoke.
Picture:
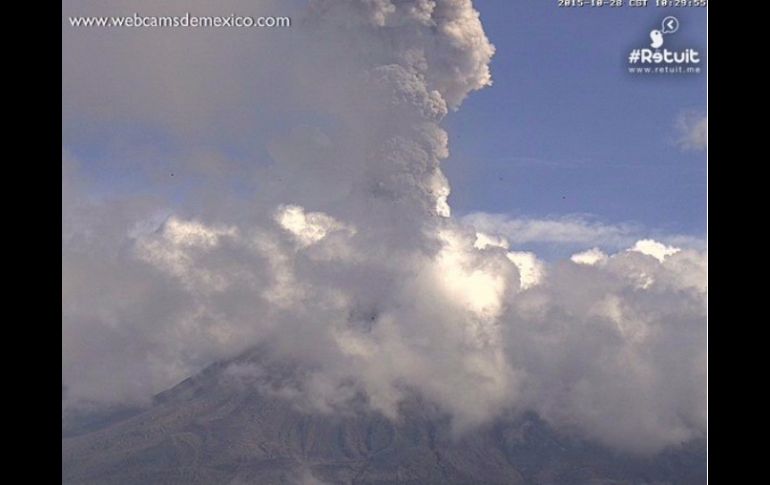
(335, 246)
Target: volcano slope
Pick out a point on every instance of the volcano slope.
(222, 427)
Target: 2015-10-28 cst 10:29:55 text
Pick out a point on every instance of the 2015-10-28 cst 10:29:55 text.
(632, 3)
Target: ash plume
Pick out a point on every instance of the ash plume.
(334, 243)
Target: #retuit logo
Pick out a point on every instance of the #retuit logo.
(656, 59)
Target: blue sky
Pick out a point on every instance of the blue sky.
(565, 129)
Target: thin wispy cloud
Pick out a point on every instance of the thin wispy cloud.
(576, 231)
(693, 131)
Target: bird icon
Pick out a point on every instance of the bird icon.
(657, 39)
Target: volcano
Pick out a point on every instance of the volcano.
(219, 427)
